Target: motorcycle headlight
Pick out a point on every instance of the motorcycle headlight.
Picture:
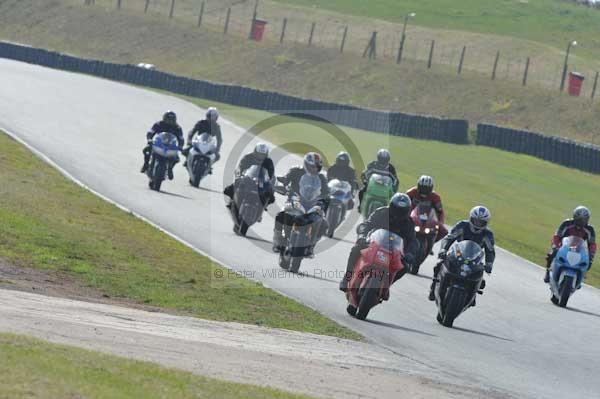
(417, 229)
(427, 231)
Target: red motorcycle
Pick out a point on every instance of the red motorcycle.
(427, 228)
(374, 273)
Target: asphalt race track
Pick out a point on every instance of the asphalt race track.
(514, 341)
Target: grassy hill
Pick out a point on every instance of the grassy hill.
(178, 46)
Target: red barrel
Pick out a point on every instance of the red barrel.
(575, 83)
(258, 29)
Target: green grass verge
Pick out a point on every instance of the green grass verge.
(50, 223)
(34, 368)
(528, 197)
(554, 22)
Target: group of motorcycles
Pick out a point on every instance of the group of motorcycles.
(165, 152)
(461, 275)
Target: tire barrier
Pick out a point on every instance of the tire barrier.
(392, 123)
(558, 150)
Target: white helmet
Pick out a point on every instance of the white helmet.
(262, 149)
(479, 218)
(581, 216)
(425, 185)
(212, 114)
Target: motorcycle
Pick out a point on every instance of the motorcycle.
(426, 228)
(340, 200)
(374, 273)
(164, 152)
(201, 157)
(459, 281)
(251, 192)
(568, 269)
(303, 224)
(380, 190)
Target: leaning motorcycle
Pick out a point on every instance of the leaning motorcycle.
(303, 223)
(568, 269)
(380, 190)
(340, 199)
(374, 273)
(252, 190)
(165, 148)
(459, 281)
(201, 157)
(426, 229)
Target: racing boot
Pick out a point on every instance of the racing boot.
(170, 173)
(432, 291)
(278, 239)
(547, 276)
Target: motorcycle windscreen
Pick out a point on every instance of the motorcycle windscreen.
(338, 187)
(381, 180)
(386, 239)
(259, 174)
(204, 143)
(165, 144)
(425, 213)
(310, 189)
(573, 251)
(467, 252)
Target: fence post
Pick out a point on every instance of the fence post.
(462, 59)
(401, 49)
(146, 6)
(344, 39)
(283, 28)
(526, 72)
(226, 28)
(495, 65)
(371, 48)
(595, 86)
(312, 32)
(431, 54)
(201, 14)
(172, 10)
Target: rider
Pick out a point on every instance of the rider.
(577, 226)
(396, 218)
(260, 157)
(297, 176)
(210, 126)
(423, 194)
(342, 171)
(381, 166)
(169, 125)
(475, 229)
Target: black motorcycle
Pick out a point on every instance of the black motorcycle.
(302, 228)
(459, 281)
(252, 190)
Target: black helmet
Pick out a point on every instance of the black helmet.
(383, 157)
(581, 216)
(170, 117)
(342, 159)
(425, 185)
(313, 163)
(400, 206)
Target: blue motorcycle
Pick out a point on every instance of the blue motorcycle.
(165, 149)
(568, 269)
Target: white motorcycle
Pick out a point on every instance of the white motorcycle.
(201, 157)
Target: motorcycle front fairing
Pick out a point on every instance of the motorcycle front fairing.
(463, 269)
(165, 145)
(572, 259)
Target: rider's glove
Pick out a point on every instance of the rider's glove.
(488, 268)
(409, 259)
(362, 242)
(442, 255)
(316, 209)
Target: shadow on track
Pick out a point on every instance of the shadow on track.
(397, 327)
(482, 334)
(584, 312)
(211, 190)
(175, 195)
